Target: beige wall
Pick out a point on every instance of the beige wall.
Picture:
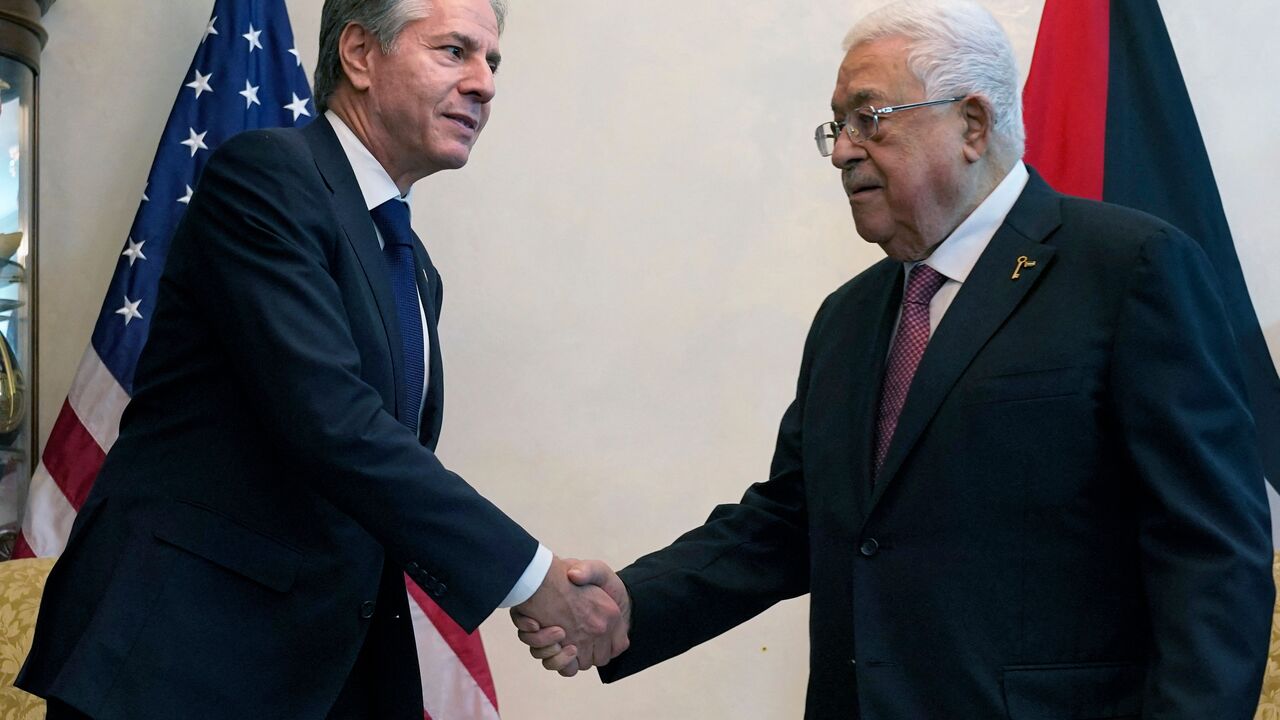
(632, 260)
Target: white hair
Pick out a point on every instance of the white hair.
(956, 47)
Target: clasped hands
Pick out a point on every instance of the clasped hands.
(578, 618)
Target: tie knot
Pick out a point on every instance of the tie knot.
(922, 284)
(392, 220)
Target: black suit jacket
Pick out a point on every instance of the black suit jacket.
(228, 560)
(1070, 522)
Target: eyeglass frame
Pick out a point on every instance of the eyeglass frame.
(875, 113)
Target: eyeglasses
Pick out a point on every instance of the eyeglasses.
(864, 123)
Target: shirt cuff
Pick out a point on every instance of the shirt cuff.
(531, 580)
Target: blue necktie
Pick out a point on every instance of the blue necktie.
(392, 221)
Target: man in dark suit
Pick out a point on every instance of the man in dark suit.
(1019, 479)
(243, 551)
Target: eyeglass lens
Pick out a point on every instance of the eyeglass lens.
(861, 126)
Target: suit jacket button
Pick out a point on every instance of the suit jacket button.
(366, 609)
(853, 663)
(441, 589)
(869, 547)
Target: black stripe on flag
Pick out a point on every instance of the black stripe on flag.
(1156, 162)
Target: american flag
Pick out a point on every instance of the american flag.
(246, 74)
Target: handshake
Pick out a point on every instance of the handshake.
(578, 618)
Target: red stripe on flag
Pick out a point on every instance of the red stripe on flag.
(21, 549)
(72, 456)
(469, 648)
(1065, 100)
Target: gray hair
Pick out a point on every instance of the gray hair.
(956, 47)
(384, 18)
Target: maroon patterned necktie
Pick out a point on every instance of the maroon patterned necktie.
(908, 347)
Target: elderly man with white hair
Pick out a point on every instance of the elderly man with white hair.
(1019, 478)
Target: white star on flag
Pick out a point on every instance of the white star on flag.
(252, 37)
(130, 310)
(200, 84)
(211, 30)
(294, 52)
(134, 251)
(298, 106)
(196, 141)
(186, 199)
(144, 194)
(250, 93)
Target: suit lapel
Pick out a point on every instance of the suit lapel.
(884, 296)
(430, 290)
(983, 304)
(849, 345)
(357, 226)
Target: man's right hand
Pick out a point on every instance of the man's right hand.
(550, 643)
(578, 617)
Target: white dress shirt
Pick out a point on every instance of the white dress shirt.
(378, 187)
(955, 256)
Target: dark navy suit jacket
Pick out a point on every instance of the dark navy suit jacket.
(229, 558)
(1070, 523)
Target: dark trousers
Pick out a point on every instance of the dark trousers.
(384, 669)
(384, 684)
(58, 710)
(356, 702)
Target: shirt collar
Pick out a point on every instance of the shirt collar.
(375, 184)
(956, 256)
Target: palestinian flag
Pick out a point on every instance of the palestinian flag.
(1108, 117)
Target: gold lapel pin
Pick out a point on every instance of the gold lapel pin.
(1023, 262)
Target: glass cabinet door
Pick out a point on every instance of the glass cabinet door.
(21, 40)
(16, 135)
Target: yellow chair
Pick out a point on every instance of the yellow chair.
(1269, 707)
(21, 582)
